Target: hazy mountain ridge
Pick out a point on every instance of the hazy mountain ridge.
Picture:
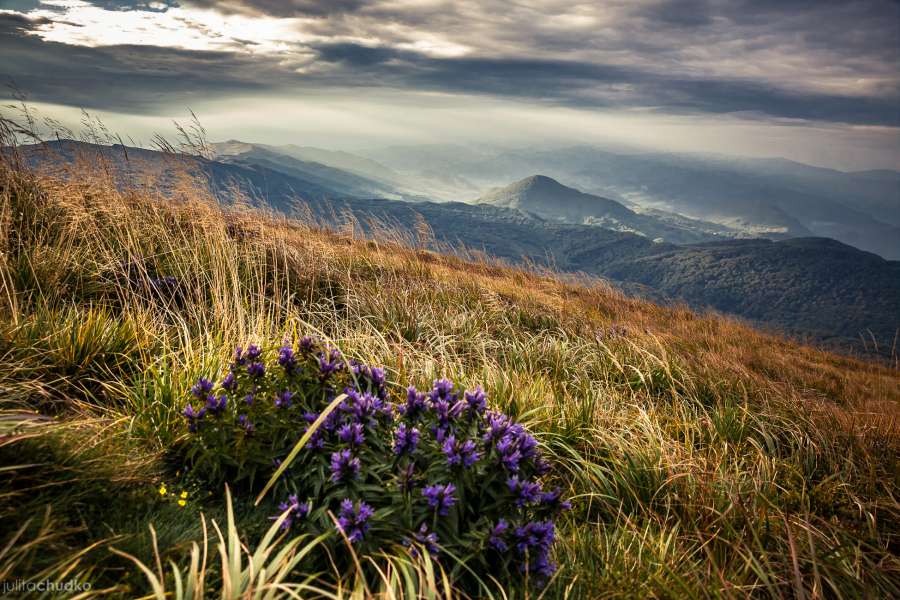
(543, 196)
(341, 181)
(774, 198)
(809, 287)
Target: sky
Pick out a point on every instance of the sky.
(812, 80)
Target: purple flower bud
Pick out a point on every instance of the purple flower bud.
(286, 358)
(553, 499)
(498, 533)
(526, 492)
(215, 405)
(192, 417)
(296, 512)
(330, 362)
(415, 404)
(306, 344)
(202, 388)
(344, 466)
(352, 434)
(283, 399)
(440, 497)
(460, 453)
(443, 390)
(239, 358)
(229, 383)
(253, 352)
(406, 439)
(476, 400)
(426, 539)
(244, 421)
(256, 369)
(353, 522)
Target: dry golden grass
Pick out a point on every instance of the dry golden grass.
(706, 458)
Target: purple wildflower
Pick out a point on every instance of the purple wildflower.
(253, 352)
(440, 497)
(286, 358)
(216, 405)
(297, 511)
(352, 434)
(442, 389)
(373, 375)
(306, 344)
(229, 383)
(193, 416)
(496, 539)
(406, 439)
(344, 466)
(476, 400)
(244, 421)
(202, 388)
(460, 453)
(498, 426)
(446, 411)
(283, 399)
(330, 362)
(415, 404)
(364, 408)
(554, 500)
(541, 466)
(249, 399)
(535, 539)
(428, 540)
(526, 491)
(509, 453)
(354, 522)
(239, 359)
(256, 369)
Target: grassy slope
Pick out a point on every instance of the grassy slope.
(705, 458)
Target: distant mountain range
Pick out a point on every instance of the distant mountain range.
(772, 198)
(355, 176)
(809, 287)
(547, 198)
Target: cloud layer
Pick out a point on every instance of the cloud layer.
(819, 61)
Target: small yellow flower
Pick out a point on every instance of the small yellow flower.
(184, 495)
(162, 490)
(182, 502)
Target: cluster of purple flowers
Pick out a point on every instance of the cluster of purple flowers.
(354, 521)
(511, 441)
(214, 405)
(330, 362)
(531, 543)
(460, 452)
(406, 439)
(440, 497)
(426, 539)
(297, 511)
(450, 469)
(287, 359)
(344, 466)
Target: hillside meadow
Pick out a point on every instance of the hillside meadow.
(701, 458)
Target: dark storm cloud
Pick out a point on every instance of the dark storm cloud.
(591, 85)
(793, 60)
(682, 13)
(133, 79)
